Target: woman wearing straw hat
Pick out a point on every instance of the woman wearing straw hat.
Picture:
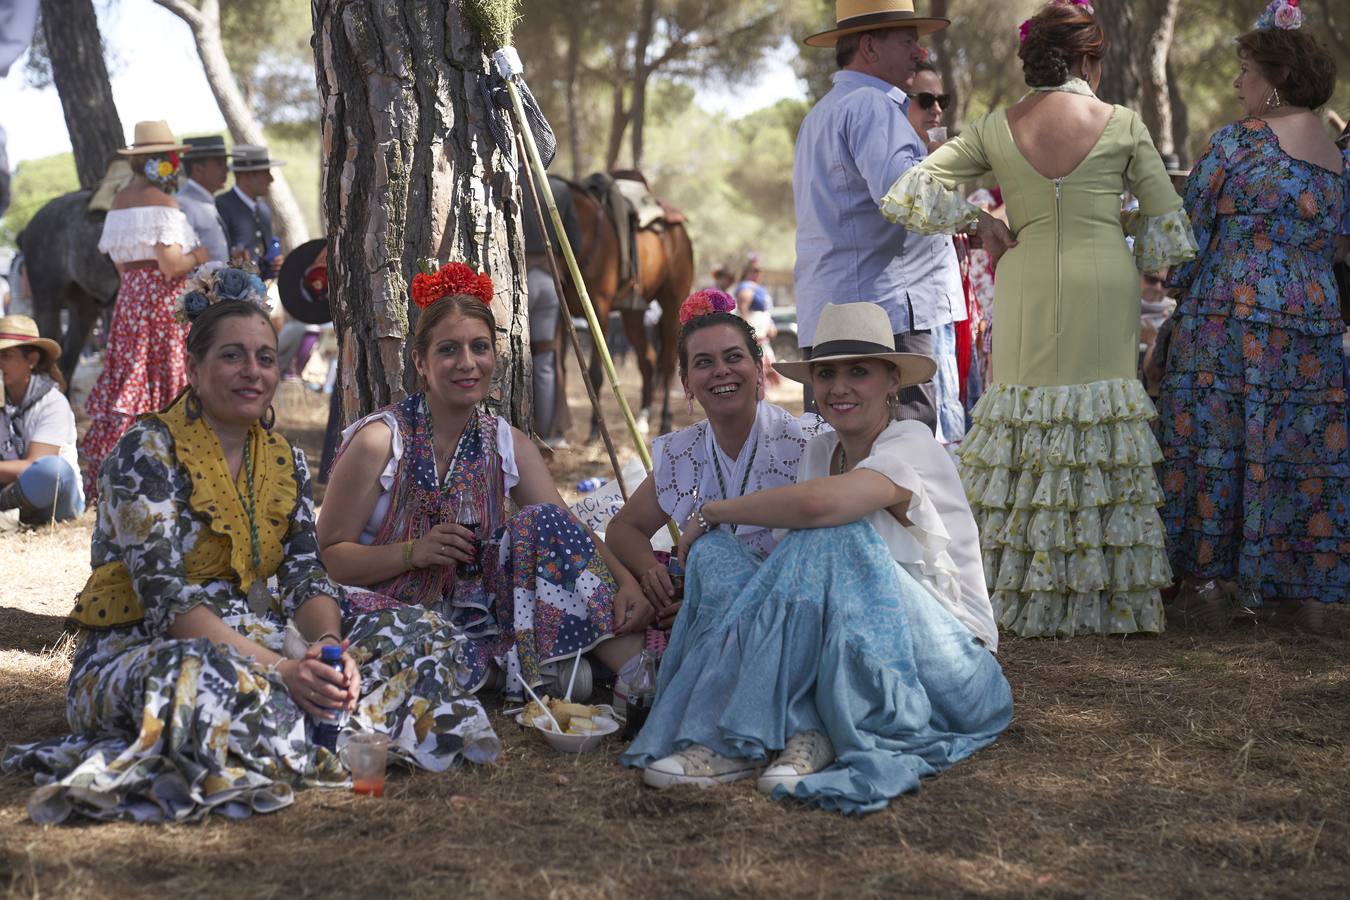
(859, 651)
(153, 247)
(39, 470)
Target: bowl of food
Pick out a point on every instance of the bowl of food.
(583, 727)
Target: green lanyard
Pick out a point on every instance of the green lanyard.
(745, 482)
(248, 505)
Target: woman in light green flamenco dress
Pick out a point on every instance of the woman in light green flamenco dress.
(1059, 464)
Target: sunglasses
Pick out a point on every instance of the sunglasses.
(926, 100)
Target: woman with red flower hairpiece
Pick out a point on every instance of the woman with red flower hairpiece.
(153, 247)
(416, 514)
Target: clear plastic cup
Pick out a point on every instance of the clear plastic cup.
(366, 756)
(937, 135)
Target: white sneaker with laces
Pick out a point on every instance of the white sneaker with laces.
(806, 753)
(700, 765)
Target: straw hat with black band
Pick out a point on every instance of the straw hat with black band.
(854, 16)
(858, 331)
(253, 158)
(207, 146)
(21, 331)
(152, 137)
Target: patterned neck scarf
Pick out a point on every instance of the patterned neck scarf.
(14, 445)
(473, 490)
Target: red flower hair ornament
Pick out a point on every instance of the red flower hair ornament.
(451, 280)
(705, 303)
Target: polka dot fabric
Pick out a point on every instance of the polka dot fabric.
(144, 365)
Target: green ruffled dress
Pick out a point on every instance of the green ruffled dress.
(1059, 464)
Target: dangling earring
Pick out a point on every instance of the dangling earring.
(192, 406)
(269, 418)
(1275, 101)
(689, 403)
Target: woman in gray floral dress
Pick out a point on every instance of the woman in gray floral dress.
(189, 692)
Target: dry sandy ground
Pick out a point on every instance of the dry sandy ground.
(1180, 765)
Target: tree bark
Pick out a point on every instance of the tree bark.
(204, 20)
(70, 29)
(410, 171)
(618, 124)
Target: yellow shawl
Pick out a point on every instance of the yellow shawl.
(223, 549)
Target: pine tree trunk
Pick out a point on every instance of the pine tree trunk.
(204, 21)
(1121, 69)
(75, 50)
(410, 171)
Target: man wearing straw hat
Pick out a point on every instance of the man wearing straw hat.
(204, 164)
(851, 148)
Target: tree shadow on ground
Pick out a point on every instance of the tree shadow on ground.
(29, 632)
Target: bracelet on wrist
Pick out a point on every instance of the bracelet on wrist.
(702, 520)
(407, 555)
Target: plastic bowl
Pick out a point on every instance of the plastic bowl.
(574, 743)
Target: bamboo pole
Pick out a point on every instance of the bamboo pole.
(508, 66)
(531, 186)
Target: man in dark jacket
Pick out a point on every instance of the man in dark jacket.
(245, 212)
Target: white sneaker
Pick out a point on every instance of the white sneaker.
(805, 754)
(700, 765)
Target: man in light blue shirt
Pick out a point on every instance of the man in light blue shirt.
(851, 148)
(204, 164)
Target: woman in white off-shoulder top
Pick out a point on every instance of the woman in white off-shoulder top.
(153, 247)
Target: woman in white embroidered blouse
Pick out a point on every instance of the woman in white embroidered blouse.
(153, 247)
(745, 444)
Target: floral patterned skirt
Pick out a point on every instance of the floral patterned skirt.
(144, 365)
(172, 730)
(544, 595)
(1256, 467)
(1062, 486)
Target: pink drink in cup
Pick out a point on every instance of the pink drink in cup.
(366, 756)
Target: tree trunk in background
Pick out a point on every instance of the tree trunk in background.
(244, 128)
(1157, 44)
(70, 30)
(410, 171)
(1121, 69)
(641, 73)
(1181, 119)
(570, 95)
(950, 117)
(618, 124)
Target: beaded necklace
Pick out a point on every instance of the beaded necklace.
(745, 482)
(259, 598)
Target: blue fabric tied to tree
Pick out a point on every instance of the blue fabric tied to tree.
(827, 633)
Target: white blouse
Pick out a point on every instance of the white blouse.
(130, 234)
(940, 547)
(506, 449)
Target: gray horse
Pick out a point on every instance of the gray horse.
(66, 272)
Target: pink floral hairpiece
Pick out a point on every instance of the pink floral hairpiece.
(1025, 28)
(705, 303)
(1282, 14)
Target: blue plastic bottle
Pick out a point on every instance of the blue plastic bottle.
(586, 485)
(326, 732)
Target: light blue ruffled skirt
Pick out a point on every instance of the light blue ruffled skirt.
(828, 633)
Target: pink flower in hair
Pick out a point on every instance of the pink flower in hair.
(705, 303)
(1023, 30)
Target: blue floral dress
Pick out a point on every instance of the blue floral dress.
(173, 730)
(1253, 406)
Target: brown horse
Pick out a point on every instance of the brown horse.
(665, 274)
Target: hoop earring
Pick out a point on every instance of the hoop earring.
(192, 405)
(269, 418)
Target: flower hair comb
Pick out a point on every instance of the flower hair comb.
(705, 303)
(451, 280)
